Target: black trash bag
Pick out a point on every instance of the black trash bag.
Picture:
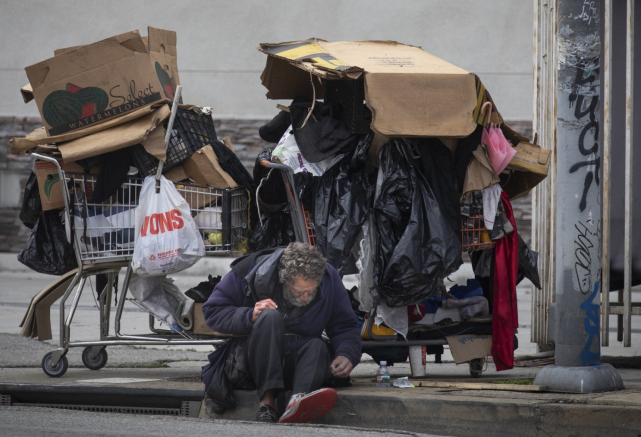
(277, 230)
(31, 205)
(343, 200)
(528, 264)
(416, 247)
(48, 250)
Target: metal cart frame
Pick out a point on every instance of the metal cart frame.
(109, 247)
(109, 258)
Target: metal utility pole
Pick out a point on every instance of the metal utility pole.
(574, 317)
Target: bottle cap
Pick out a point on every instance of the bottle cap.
(383, 363)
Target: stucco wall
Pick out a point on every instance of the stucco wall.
(217, 57)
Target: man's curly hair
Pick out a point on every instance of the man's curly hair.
(301, 259)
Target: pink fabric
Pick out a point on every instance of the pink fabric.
(498, 147)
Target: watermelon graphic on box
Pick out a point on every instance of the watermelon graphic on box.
(73, 104)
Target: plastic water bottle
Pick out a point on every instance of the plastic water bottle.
(382, 375)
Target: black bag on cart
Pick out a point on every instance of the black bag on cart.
(48, 250)
(416, 246)
(343, 200)
(31, 205)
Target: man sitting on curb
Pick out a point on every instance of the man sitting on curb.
(283, 300)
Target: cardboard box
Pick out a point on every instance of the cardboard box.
(530, 166)
(200, 327)
(49, 183)
(91, 84)
(468, 347)
(204, 169)
(409, 91)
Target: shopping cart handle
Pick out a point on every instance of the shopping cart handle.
(269, 164)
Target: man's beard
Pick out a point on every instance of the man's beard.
(296, 301)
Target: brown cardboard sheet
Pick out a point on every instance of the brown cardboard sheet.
(27, 93)
(39, 136)
(164, 56)
(409, 91)
(204, 169)
(200, 327)
(468, 347)
(94, 83)
(119, 137)
(49, 184)
(480, 174)
(37, 319)
(528, 168)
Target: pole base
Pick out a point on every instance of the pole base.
(590, 379)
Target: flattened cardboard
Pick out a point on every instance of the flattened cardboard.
(176, 174)
(115, 138)
(18, 146)
(529, 167)
(49, 182)
(164, 58)
(37, 319)
(468, 347)
(200, 327)
(94, 83)
(27, 93)
(398, 80)
(204, 169)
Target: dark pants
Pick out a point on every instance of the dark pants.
(273, 367)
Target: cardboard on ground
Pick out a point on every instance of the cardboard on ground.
(409, 91)
(468, 347)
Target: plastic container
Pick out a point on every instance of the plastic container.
(382, 375)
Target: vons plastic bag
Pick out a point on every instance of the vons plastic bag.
(167, 238)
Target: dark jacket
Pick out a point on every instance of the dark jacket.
(255, 277)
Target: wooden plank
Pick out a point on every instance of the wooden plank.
(481, 386)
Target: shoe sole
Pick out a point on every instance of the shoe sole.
(313, 407)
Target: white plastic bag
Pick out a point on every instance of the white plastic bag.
(288, 153)
(167, 238)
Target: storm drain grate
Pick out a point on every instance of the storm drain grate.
(109, 409)
(185, 379)
(5, 400)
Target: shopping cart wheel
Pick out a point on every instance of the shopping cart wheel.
(94, 362)
(54, 371)
(476, 367)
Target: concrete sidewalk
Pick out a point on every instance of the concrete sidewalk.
(165, 377)
(452, 409)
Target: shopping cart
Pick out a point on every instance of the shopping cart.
(103, 236)
(473, 236)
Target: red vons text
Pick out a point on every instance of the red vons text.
(162, 222)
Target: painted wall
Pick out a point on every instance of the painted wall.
(217, 40)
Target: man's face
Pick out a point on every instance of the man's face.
(300, 292)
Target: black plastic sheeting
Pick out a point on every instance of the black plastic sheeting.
(31, 204)
(276, 230)
(48, 250)
(528, 264)
(343, 200)
(416, 246)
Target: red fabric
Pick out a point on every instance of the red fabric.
(504, 308)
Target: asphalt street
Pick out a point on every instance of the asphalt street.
(36, 422)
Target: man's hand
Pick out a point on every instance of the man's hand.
(341, 367)
(261, 305)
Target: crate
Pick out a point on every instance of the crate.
(350, 94)
(191, 132)
(474, 234)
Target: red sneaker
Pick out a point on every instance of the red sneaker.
(305, 407)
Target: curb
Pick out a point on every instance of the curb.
(461, 415)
